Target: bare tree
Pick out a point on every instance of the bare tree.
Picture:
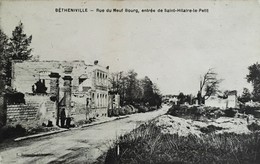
(209, 84)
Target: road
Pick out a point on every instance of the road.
(82, 145)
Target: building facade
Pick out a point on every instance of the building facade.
(82, 89)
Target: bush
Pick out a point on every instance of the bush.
(15, 98)
(253, 127)
(250, 110)
(126, 110)
(122, 111)
(230, 112)
(142, 108)
(8, 132)
(115, 112)
(174, 110)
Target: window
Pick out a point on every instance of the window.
(97, 99)
(105, 99)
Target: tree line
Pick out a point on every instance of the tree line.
(134, 91)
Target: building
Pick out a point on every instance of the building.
(82, 89)
(230, 101)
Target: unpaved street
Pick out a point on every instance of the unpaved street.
(83, 145)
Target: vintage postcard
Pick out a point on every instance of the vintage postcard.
(129, 81)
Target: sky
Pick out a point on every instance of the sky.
(172, 49)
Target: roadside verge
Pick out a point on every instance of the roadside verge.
(63, 130)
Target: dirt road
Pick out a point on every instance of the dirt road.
(83, 145)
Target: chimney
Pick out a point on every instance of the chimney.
(96, 62)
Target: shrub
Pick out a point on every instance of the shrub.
(142, 108)
(15, 98)
(250, 110)
(115, 112)
(230, 112)
(8, 132)
(126, 110)
(174, 110)
(122, 111)
(253, 127)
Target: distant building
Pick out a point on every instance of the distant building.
(173, 101)
(215, 101)
(230, 102)
(170, 99)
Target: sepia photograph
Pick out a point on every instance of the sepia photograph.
(129, 82)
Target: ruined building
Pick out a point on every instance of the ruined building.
(82, 89)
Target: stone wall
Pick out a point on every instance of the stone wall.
(82, 111)
(22, 114)
(37, 110)
(214, 101)
(79, 109)
(46, 107)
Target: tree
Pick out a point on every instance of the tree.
(133, 89)
(114, 82)
(20, 43)
(3, 58)
(18, 49)
(147, 85)
(117, 85)
(246, 95)
(181, 98)
(209, 84)
(157, 96)
(254, 78)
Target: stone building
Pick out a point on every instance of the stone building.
(82, 89)
(224, 103)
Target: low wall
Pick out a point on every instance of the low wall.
(219, 103)
(101, 112)
(22, 114)
(38, 109)
(81, 111)
(46, 107)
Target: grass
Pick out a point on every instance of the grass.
(147, 144)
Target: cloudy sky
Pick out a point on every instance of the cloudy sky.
(173, 49)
